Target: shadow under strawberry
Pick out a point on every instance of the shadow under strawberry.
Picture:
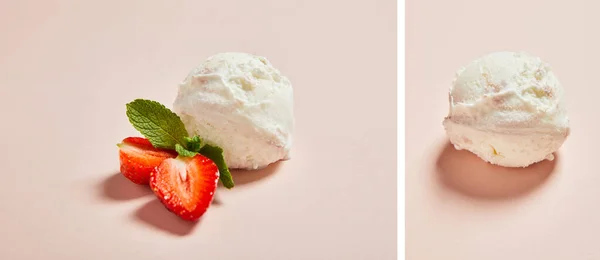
(117, 187)
(156, 215)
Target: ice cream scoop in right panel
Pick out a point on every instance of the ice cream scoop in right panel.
(508, 108)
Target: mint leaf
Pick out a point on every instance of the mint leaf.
(163, 128)
(184, 152)
(215, 153)
(193, 144)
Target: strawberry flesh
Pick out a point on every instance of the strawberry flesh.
(139, 158)
(186, 185)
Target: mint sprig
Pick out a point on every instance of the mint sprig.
(184, 152)
(165, 130)
(215, 153)
(194, 144)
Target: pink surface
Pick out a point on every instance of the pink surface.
(67, 68)
(458, 207)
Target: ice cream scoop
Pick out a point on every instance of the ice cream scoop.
(241, 103)
(508, 108)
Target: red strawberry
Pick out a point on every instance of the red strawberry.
(186, 185)
(139, 158)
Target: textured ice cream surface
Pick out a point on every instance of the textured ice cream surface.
(508, 108)
(241, 103)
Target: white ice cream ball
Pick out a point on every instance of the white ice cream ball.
(241, 103)
(508, 108)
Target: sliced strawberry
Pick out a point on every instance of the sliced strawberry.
(186, 185)
(139, 158)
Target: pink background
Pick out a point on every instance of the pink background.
(460, 208)
(67, 68)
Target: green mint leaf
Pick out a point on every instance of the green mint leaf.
(215, 153)
(163, 128)
(194, 144)
(184, 152)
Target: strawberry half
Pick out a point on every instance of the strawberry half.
(139, 158)
(186, 185)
